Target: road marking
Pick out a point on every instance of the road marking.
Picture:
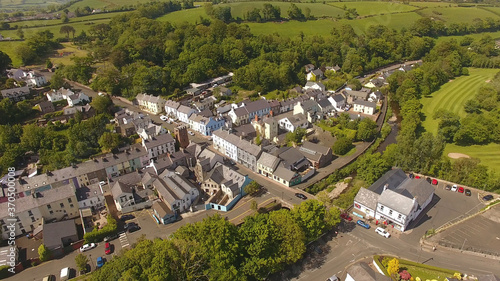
(479, 270)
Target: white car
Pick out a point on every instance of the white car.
(87, 247)
(163, 118)
(382, 232)
(191, 133)
(454, 187)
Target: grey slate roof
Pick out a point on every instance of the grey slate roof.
(395, 201)
(363, 272)
(393, 178)
(338, 98)
(119, 188)
(324, 103)
(366, 103)
(159, 140)
(54, 232)
(367, 198)
(420, 189)
(268, 160)
(315, 147)
(284, 173)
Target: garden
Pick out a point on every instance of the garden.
(399, 269)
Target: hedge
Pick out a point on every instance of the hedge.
(97, 235)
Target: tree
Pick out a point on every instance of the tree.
(367, 130)
(48, 64)
(5, 62)
(296, 136)
(102, 104)
(332, 217)
(67, 29)
(44, 254)
(252, 188)
(81, 262)
(295, 13)
(310, 215)
(57, 81)
(64, 18)
(393, 267)
(342, 146)
(109, 141)
(20, 33)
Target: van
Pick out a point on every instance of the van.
(64, 274)
(49, 278)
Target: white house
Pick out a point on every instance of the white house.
(376, 96)
(314, 85)
(90, 196)
(175, 191)
(184, 112)
(171, 107)
(159, 145)
(150, 103)
(122, 195)
(57, 95)
(77, 98)
(293, 122)
(365, 107)
(226, 143)
(338, 101)
(394, 199)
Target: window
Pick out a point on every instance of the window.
(399, 216)
(32, 219)
(51, 212)
(69, 200)
(30, 213)
(71, 205)
(381, 208)
(390, 212)
(62, 205)
(49, 207)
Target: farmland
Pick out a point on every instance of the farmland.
(457, 14)
(453, 95)
(374, 8)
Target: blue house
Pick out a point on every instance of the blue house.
(163, 214)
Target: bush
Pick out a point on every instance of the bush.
(342, 146)
(97, 235)
(4, 271)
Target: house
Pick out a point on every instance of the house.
(365, 107)
(352, 95)
(394, 199)
(246, 111)
(42, 202)
(184, 112)
(363, 272)
(57, 95)
(224, 92)
(317, 154)
(314, 85)
(16, 94)
(158, 145)
(325, 105)
(293, 122)
(248, 153)
(151, 131)
(375, 83)
(204, 125)
(286, 176)
(175, 191)
(267, 164)
(237, 148)
(335, 68)
(163, 214)
(194, 91)
(171, 108)
(150, 103)
(205, 162)
(86, 110)
(77, 98)
(225, 187)
(58, 235)
(315, 75)
(246, 131)
(206, 103)
(286, 106)
(309, 67)
(45, 107)
(32, 79)
(338, 101)
(123, 195)
(309, 108)
(267, 127)
(376, 97)
(90, 196)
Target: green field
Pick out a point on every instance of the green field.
(239, 9)
(457, 14)
(433, 4)
(366, 8)
(190, 15)
(37, 23)
(494, 35)
(105, 4)
(27, 4)
(488, 154)
(453, 95)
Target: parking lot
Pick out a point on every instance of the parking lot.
(446, 206)
(479, 234)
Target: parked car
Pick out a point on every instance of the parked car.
(107, 248)
(110, 237)
(100, 262)
(128, 225)
(363, 224)
(101, 183)
(382, 232)
(454, 188)
(133, 228)
(163, 118)
(461, 189)
(49, 278)
(429, 180)
(191, 133)
(417, 177)
(447, 187)
(333, 278)
(488, 197)
(346, 216)
(126, 217)
(301, 196)
(468, 192)
(434, 182)
(411, 175)
(65, 274)
(87, 247)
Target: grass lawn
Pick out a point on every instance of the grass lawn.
(189, 15)
(425, 273)
(67, 48)
(34, 23)
(488, 154)
(453, 95)
(351, 152)
(494, 35)
(433, 4)
(457, 14)
(366, 8)
(109, 4)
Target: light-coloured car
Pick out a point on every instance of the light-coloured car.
(454, 187)
(163, 118)
(191, 133)
(87, 247)
(65, 274)
(382, 232)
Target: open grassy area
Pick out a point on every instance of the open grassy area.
(433, 4)
(494, 35)
(366, 8)
(190, 15)
(37, 23)
(453, 95)
(425, 272)
(27, 4)
(488, 154)
(69, 49)
(239, 9)
(105, 4)
(457, 14)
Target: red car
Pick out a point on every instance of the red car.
(434, 182)
(461, 189)
(107, 249)
(346, 216)
(417, 177)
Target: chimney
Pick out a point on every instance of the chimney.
(271, 113)
(256, 117)
(386, 186)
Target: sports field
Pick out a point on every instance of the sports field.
(453, 95)
(488, 154)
